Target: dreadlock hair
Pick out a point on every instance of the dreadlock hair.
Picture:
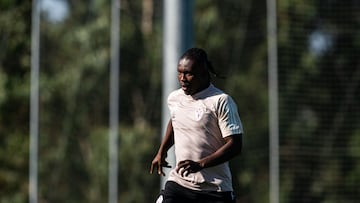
(199, 57)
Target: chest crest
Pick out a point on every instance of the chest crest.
(199, 113)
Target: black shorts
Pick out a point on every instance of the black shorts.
(175, 193)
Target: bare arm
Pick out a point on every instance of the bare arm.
(159, 159)
(229, 150)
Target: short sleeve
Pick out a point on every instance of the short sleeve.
(228, 116)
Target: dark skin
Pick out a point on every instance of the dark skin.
(194, 79)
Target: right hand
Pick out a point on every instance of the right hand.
(159, 162)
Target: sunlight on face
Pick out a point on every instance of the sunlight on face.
(185, 62)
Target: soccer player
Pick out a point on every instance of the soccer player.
(206, 130)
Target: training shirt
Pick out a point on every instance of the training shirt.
(200, 123)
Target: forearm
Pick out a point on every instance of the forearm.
(168, 140)
(229, 150)
(159, 159)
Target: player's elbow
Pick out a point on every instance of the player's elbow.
(236, 144)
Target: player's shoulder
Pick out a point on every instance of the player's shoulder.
(222, 98)
(219, 94)
(175, 94)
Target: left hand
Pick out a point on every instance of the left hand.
(188, 166)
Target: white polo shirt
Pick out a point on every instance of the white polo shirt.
(200, 123)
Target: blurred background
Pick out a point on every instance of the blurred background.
(318, 71)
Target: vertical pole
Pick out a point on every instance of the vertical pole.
(178, 36)
(34, 103)
(114, 101)
(273, 101)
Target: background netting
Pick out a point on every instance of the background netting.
(319, 108)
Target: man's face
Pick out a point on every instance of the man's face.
(192, 78)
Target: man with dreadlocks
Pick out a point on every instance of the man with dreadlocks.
(206, 130)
